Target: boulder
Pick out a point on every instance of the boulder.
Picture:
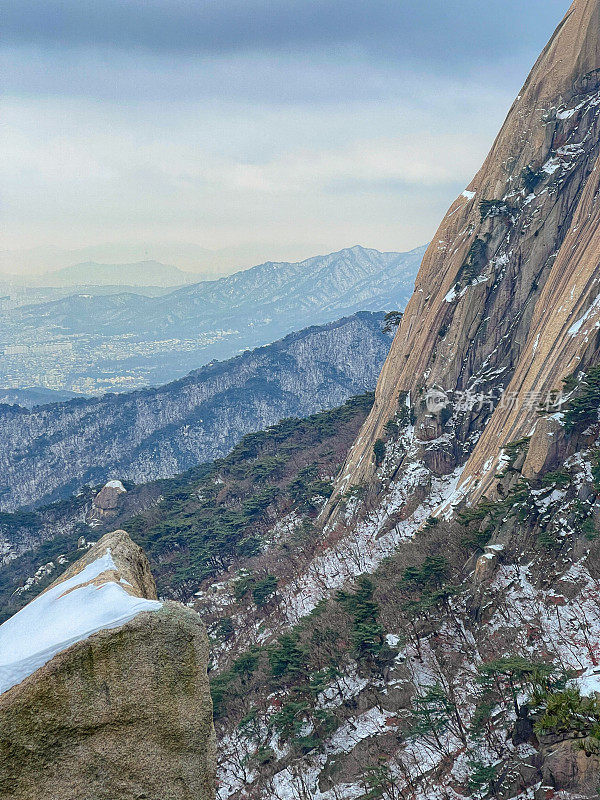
(107, 502)
(545, 448)
(567, 767)
(106, 691)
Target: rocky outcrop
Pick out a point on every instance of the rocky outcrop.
(121, 708)
(566, 767)
(50, 452)
(106, 503)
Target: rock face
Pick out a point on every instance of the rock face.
(122, 709)
(567, 767)
(507, 298)
(49, 452)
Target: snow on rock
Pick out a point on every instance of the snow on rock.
(70, 612)
(370, 542)
(371, 723)
(116, 485)
(589, 683)
(593, 309)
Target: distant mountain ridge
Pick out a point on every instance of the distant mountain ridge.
(29, 398)
(307, 292)
(140, 273)
(157, 339)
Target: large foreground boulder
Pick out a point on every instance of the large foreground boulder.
(104, 689)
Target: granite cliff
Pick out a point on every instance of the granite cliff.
(506, 300)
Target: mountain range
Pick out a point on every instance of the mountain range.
(311, 291)
(91, 344)
(140, 273)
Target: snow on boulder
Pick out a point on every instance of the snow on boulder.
(103, 590)
(104, 690)
(115, 485)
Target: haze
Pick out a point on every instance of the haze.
(253, 129)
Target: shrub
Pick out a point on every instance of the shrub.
(508, 676)
(224, 629)
(494, 208)
(561, 478)
(431, 713)
(567, 711)
(379, 452)
(582, 409)
(368, 638)
(264, 590)
(287, 657)
(476, 260)
(391, 320)
(482, 779)
(530, 178)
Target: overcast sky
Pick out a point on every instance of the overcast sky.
(275, 129)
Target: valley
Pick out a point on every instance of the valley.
(49, 452)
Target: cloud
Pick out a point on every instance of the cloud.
(405, 28)
(284, 127)
(79, 171)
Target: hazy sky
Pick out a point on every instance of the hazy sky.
(280, 128)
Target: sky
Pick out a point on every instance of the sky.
(258, 129)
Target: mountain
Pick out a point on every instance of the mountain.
(506, 299)
(119, 680)
(308, 292)
(91, 344)
(28, 398)
(190, 257)
(141, 273)
(423, 623)
(435, 632)
(50, 451)
(354, 279)
(291, 465)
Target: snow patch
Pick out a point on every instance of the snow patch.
(116, 485)
(576, 327)
(60, 617)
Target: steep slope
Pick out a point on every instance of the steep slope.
(442, 639)
(464, 668)
(103, 689)
(512, 269)
(51, 451)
